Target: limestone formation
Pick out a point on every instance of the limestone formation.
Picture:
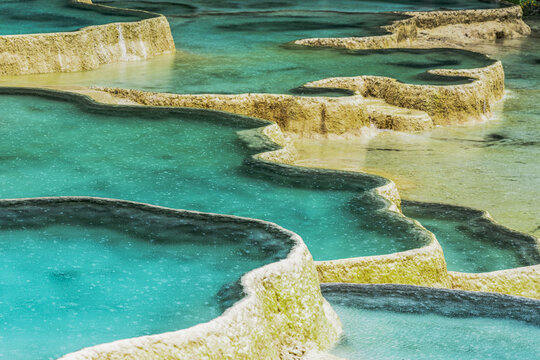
(444, 104)
(87, 48)
(429, 29)
(380, 101)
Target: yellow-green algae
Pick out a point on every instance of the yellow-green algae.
(423, 266)
(232, 335)
(406, 107)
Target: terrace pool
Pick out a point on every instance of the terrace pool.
(46, 16)
(405, 322)
(491, 165)
(76, 274)
(242, 52)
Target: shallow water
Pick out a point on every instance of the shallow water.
(69, 284)
(404, 330)
(170, 7)
(53, 148)
(492, 165)
(45, 16)
(380, 334)
(248, 52)
(419, 323)
(464, 236)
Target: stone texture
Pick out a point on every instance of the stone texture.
(85, 49)
(444, 104)
(282, 314)
(524, 281)
(424, 266)
(304, 116)
(448, 28)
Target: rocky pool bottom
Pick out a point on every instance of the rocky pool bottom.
(407, 322)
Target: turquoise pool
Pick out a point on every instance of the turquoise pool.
(45, 16)
(241, 52)
(175, 158)
(192, 160)
(171, 7)
(76, 274)
(55, 148)
(405, 322)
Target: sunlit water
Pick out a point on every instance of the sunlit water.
(243, 52)
(492, 165)
(69, 284)
(53, 148)
(395, 327)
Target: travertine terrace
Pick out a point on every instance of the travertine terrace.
(283, 314)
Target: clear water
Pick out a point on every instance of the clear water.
(494, 165)
(45, 16)
(53, 148)
(462, 250)
(183, 163)
(377, 334)
(465, 238)
(172, 7)
(64, 286)
(249, 52)
(400, 334)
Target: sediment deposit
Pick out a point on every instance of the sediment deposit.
(296, 114)
(284, 297)
(87, 48)
(444, 104)
(379, 101)
(282, 315)
(453, 28)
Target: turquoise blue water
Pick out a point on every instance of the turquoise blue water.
(377, 334)
(401, 332)
(53, 148)
(243, 52)
(64, 286)
(172, 7)
(237, 55)
(44, 16)
(465, 236)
